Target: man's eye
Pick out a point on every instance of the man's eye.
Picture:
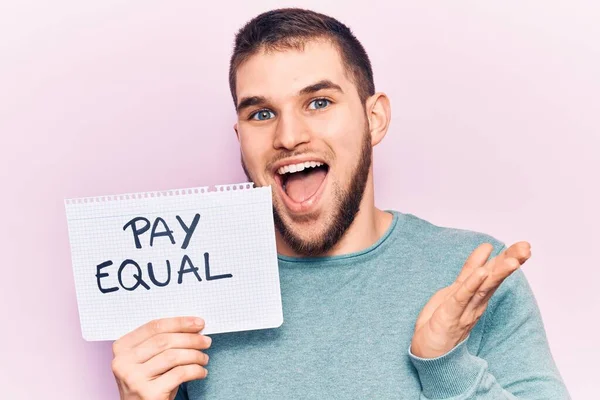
(318, 103)
(262, 115)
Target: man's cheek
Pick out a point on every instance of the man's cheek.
(257, 172)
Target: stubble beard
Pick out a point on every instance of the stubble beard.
(347, 204)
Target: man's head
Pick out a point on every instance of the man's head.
(308, 117)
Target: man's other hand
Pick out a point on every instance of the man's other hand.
(152, 361)
(448, 317)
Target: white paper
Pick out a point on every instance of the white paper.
(234, 231)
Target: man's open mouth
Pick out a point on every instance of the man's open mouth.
(301, 181)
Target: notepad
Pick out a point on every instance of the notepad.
(188, 252)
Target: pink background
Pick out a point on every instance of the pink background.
(495, 128)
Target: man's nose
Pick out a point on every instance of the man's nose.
(291, 131)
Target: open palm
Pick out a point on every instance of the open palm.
(451, 313)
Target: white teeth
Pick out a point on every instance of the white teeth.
(298, 167)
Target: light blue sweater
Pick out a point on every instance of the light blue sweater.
(348, 323)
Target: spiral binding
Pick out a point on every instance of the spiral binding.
(162, 193)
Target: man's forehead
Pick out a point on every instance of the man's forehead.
(285, 72)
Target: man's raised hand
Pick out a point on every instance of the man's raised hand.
(152, 361)
(448, 317)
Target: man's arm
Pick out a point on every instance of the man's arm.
(513, 359)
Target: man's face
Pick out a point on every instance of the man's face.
(303, 130)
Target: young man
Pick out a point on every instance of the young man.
(377, 304)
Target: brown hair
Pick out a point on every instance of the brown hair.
(290, 28)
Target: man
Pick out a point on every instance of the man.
(377, 304)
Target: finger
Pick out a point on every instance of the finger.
(520, 250)
(182, 373)
(165, 341)
(477, 258)
(503, 267)
(172, 358)
(499, 270)
(455, 305)
(152, 328)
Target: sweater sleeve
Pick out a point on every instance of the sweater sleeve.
(513, 360)
(182, 393)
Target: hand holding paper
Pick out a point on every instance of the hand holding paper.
(154, 359)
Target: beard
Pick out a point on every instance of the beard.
(346, 206)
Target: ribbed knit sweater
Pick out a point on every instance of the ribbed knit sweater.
(349, 320)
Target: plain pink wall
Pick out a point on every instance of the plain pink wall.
(495, 128)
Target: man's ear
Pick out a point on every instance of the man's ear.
(379, 114)
(237, 134)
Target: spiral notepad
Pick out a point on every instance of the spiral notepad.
(142, 256)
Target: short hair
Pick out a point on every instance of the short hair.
(291, 28)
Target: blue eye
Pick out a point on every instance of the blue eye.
(262, 115)
(318, 104)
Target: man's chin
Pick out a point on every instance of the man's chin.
(300, 222)
(303, 233)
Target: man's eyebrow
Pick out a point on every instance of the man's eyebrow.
(323, 84)
(249, 102)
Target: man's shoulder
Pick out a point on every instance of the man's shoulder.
(435, 254)
(443, 239)
(440, 253)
